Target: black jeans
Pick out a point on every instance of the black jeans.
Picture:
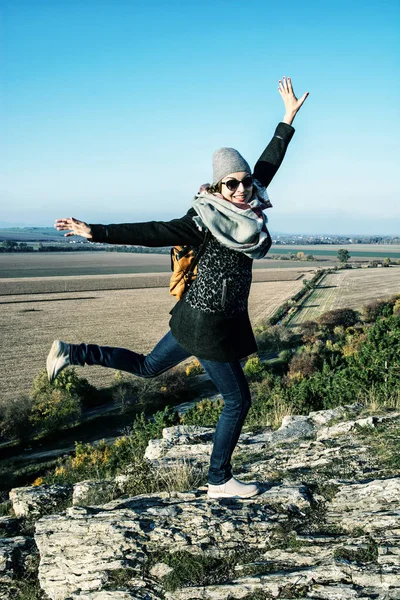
(228, 377)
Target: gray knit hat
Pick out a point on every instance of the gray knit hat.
(226, 161)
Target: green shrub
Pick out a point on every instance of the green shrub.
(194, 368)
(303, 364)
(205, 413)
(285, 356)
(105, 460)
(340, 316)
(145, 429)
(265, 394)
(132, 390)
(56, 404)
(268, 338)
(254, 369)
(5, 508)
(15, 420)
(372, 311)
(309, 330)
(69, 381)
(200, 569)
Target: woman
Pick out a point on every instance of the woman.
(211, 320)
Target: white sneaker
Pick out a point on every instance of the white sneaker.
(57, 359)
(232, 489)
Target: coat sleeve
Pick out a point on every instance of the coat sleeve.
(177, 232)
(272, 157)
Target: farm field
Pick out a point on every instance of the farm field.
(37, 312)
(366, 251)
(72, 264)
(133, 318)
(42, 285)
(350, 288)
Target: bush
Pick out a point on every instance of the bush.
(205, 413)
(302, 365)
(254, 369)
(279, 314)
(105, 460)
(69, 381)
(341, 316)
(172, 384)
(266, 403)
(274, 338)
(285, 356)
(194, 368)
(15, 418)
(309, 330)
(379, 308)
(396, 308)
(145, 429)
(56, 404)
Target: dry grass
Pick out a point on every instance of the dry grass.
(181, 476)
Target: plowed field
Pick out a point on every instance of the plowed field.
(132, 318)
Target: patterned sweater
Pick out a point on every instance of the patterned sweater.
(211, 320)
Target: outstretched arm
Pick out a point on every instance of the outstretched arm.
(154, 234)
(272, 157)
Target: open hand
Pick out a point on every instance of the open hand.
(76, 227)
(292, 104)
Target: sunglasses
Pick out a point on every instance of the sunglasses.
(233, 184)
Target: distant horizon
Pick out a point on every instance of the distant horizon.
(273, 231)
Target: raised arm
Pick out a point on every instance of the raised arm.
(272, 157)
(152, 233)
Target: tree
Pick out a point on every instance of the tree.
(343, 255)
(9, 245)
(386, 262)
(340, 316)
(300, 255)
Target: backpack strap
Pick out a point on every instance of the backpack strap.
(200, 253)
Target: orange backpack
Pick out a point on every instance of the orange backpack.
(184, 261)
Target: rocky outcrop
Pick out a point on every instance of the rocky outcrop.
(88, 544)
(326, 523)
(33, 502)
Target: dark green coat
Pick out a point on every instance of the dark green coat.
(211, 321)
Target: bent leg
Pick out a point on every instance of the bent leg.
(232, 384)
(166, 354)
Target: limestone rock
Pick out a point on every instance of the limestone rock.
(176, 442)
(294, 427)
(374, 506)
(160, 570)
(138, 594)
(13, 554)
(326, 524)
(93, 492)
(80, 549)
(35, 501)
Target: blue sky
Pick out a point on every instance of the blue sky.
(111, 110)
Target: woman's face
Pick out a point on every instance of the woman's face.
(243, 192)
